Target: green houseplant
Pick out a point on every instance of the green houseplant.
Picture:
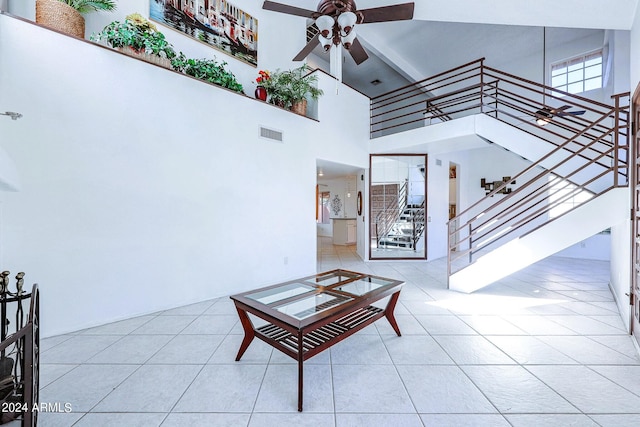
(66, 15)
(137, 36)
(291, 89)
(208, 70)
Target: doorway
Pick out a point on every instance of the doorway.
(398, 206)
(635, 225)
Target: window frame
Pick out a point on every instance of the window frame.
(569, 68)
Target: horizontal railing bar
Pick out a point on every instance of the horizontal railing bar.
(422, 92)
(400, 108)
(477, 61)
(417, 120)
(426, 88)
(566, 95)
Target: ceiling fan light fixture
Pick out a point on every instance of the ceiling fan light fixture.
(544, 116)
(347, 40)
(325, 25)
(347, 21)
(543, 121)
(325, 43)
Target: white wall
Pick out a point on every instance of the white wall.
(620, 282)
(143, 189)
(597, 247)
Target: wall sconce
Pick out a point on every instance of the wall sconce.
(489, 186)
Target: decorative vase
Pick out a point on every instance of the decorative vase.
(300, 107)
(261, 93)
(60, 16)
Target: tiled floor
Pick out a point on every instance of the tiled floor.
(545, 347)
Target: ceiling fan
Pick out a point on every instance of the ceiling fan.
(336, 20)
(545, 114)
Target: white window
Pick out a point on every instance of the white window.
(578, 74)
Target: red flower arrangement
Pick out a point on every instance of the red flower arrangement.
(263, 76)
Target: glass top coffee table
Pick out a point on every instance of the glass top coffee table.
(308, 315)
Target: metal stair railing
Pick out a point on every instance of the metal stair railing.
(390, 214)
(418, 223)
(577, 172)
(586, 155)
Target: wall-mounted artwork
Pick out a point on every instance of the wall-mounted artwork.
(489, 186)
(336, 205)
(217, 23)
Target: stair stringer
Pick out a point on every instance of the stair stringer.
(588, 219)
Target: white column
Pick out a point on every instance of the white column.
(335, 61)
(4, 5)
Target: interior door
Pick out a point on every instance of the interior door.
(635, 182)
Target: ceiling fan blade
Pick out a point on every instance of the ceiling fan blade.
(284, 8)
(572, 113)
(357, 52)
(396, 12)
(558, 110)
(307, 49)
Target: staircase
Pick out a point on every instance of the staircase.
(575, 187)
(400, 224)
(406, 230)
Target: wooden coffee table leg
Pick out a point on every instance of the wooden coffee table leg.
(388, 312)
(300, 371)
(249, 333)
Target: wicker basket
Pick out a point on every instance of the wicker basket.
(300, 107)
(154, 59)
(60, 16)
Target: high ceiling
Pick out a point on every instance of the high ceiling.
(426, 48)
(443, 36)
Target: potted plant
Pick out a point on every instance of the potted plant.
(261, 91)
(136, 36)
(292, 88)
(303, 87)
(66, 15)
(208, 70)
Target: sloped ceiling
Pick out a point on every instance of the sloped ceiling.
(445, 34)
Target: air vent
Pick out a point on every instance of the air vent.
(274, 135)
(312, 30)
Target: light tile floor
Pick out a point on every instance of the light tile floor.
(544, 347)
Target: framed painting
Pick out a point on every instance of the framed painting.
(217, 23)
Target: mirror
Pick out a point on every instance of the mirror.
(397, 208)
